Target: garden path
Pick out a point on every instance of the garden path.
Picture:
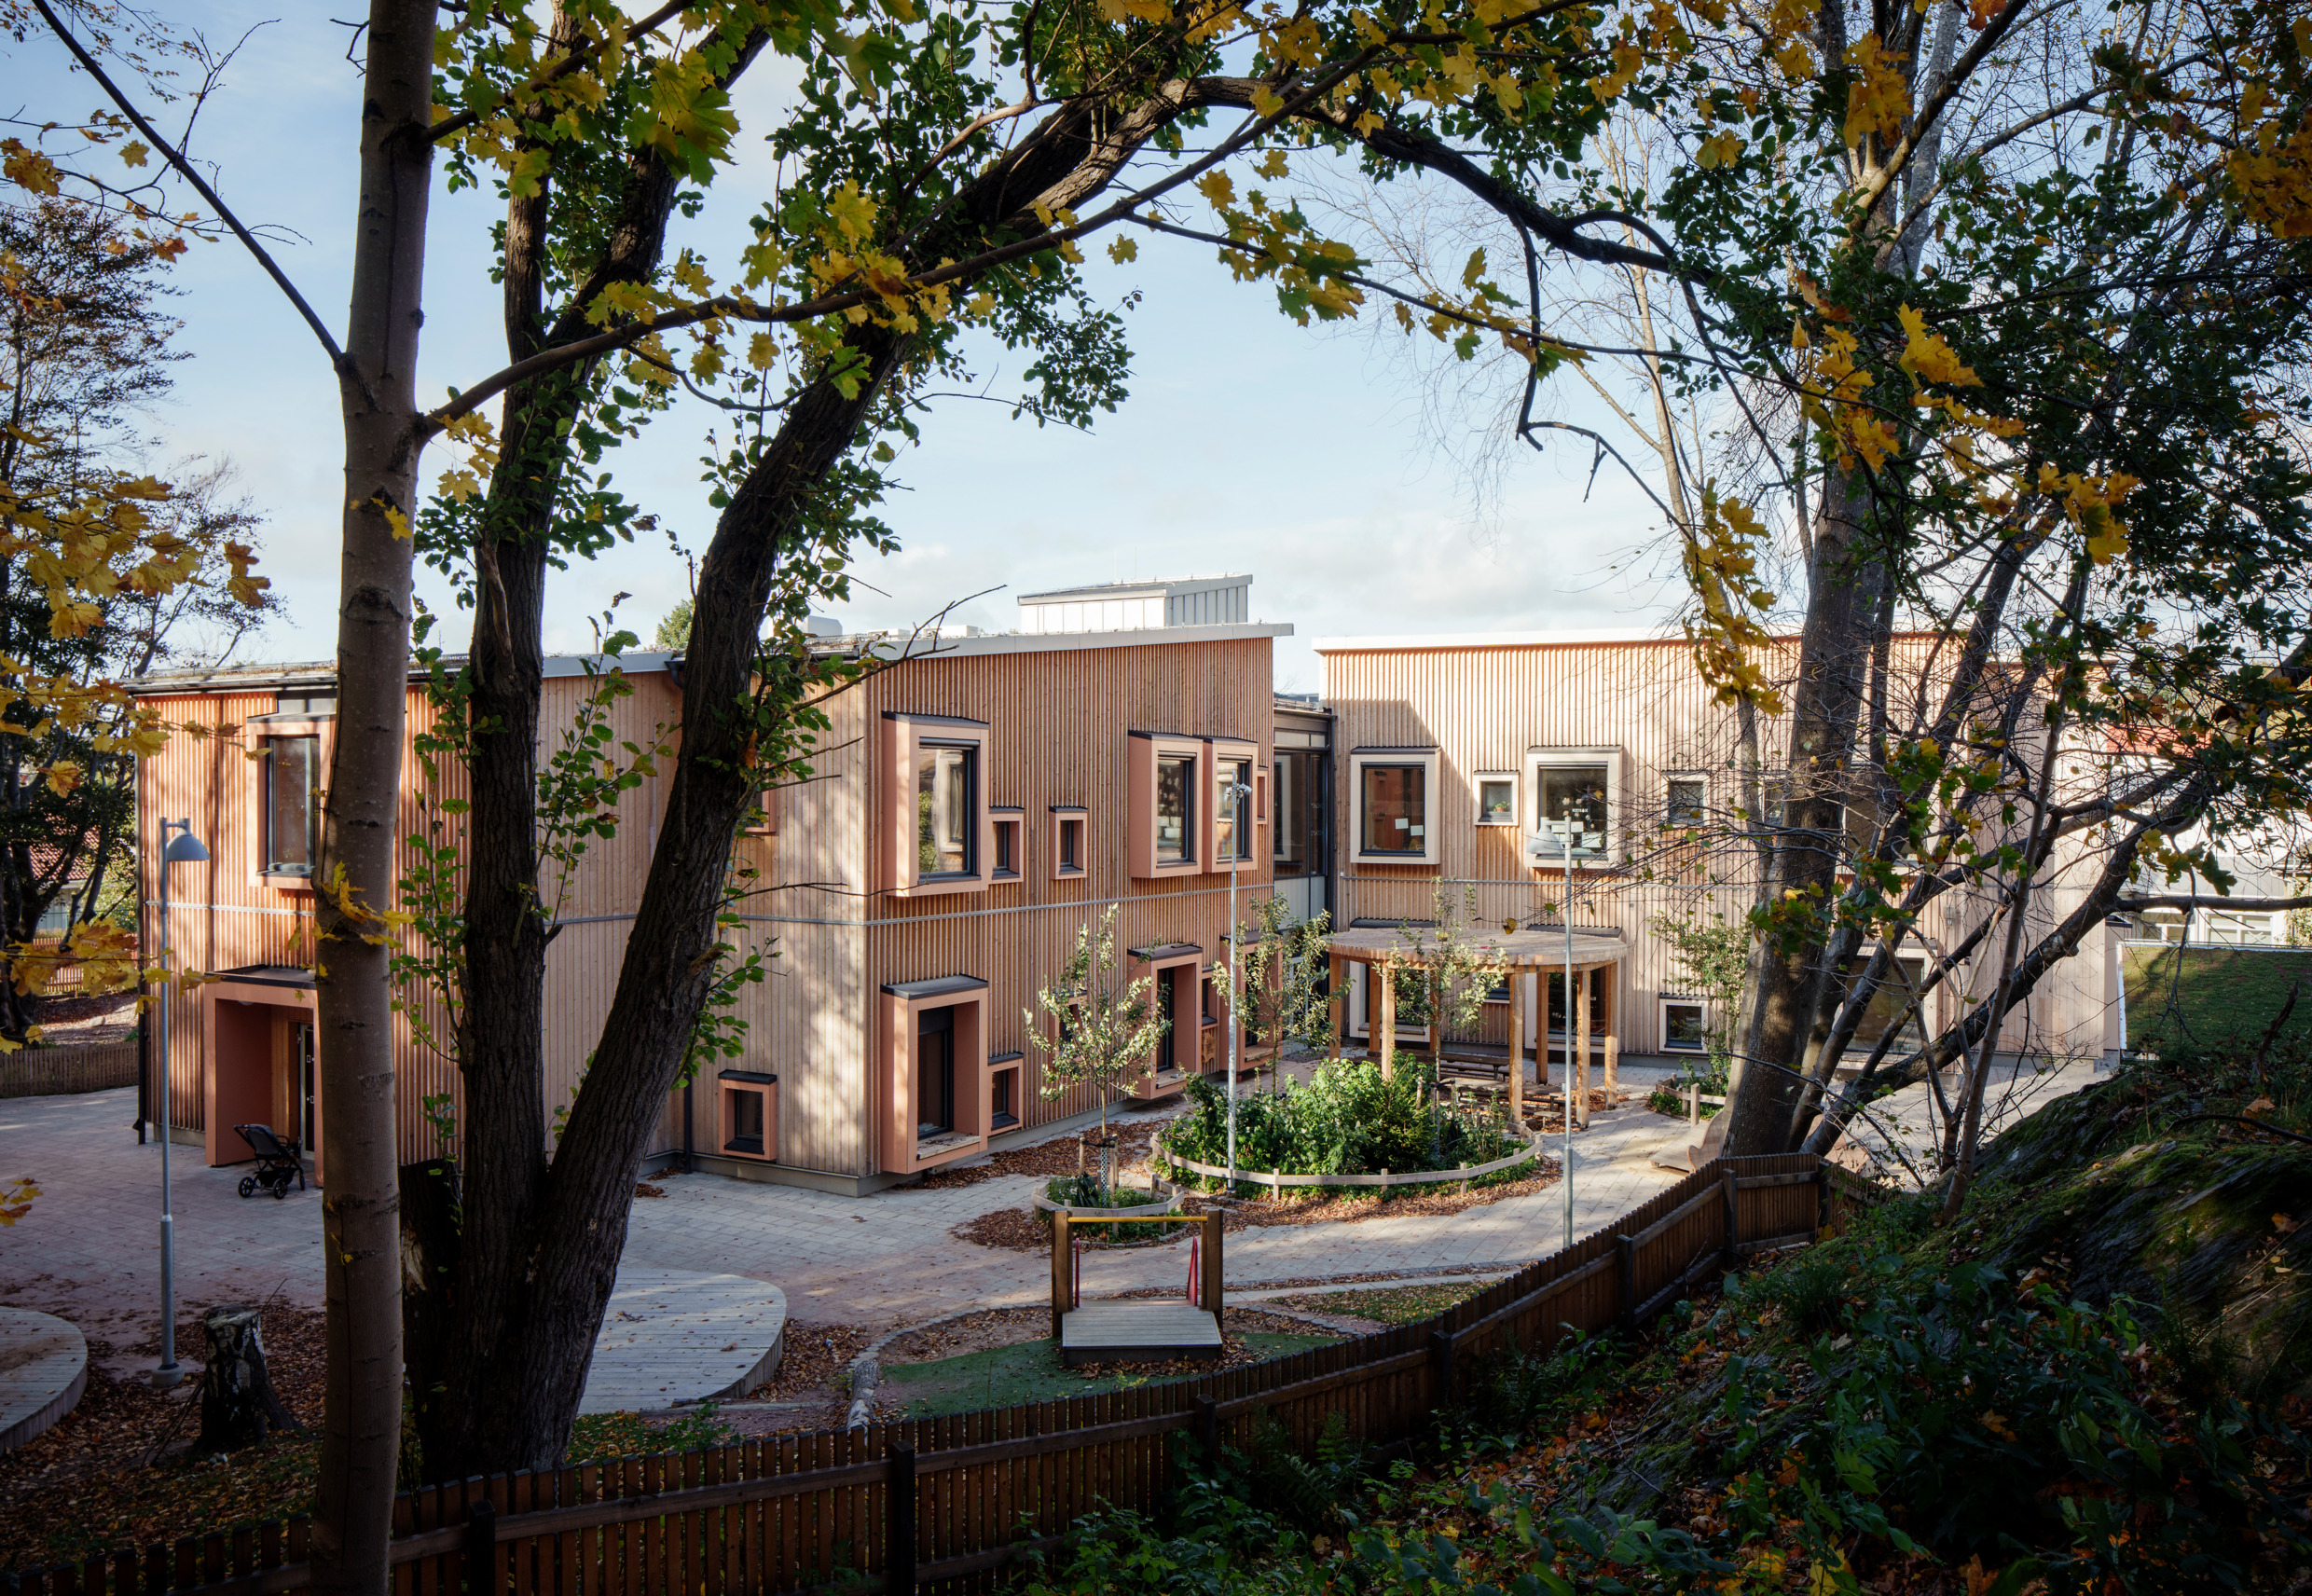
(88, 1251)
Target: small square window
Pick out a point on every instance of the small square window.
(764, 822)
(1688, 801)
(1685, 1027)
(1004, 1092)
(1070, 841)
(1496, 800)
(1007, 825)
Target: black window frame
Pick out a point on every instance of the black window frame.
(971, 808)
(1188, 781)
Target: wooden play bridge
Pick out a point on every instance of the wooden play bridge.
(1148, 1329)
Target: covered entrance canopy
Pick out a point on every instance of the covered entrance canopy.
(1538, 948)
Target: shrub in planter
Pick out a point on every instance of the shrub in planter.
(1346, 1121)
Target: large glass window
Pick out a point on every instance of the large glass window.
(291, 807)
(946, 803)
(1395, 808)
(1231, 813)
(1175, 785)
(1569, 806)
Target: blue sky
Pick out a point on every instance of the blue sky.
(1248, 444)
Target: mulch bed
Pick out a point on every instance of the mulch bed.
(973, 1332)
(95, 1481)
(73, 1020)
(1060, 1156)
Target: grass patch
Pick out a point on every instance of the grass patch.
(2223, 995)
(1031, 1372)
(1391, 1305)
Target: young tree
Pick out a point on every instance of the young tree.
(1282, 970)
(1092, 1031)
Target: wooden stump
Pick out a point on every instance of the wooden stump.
(239, 1406)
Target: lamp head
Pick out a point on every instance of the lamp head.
(185, 847)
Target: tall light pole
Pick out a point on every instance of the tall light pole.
(183, 850)
(1565, 848)
(1236, 792)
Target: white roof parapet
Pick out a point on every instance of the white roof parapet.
(1490, 640)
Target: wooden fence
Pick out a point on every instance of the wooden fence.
(951, 1500)
(53, 1072)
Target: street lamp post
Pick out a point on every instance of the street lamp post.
(183, 850)
(1565, 848)
(1236, 792)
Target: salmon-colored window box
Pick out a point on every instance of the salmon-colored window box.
(1071, 840)
(938, 833)
(1234, 826)
(1171, 814)
(1009, 826)
(932, 1084)
(1393, 806)
(1176, 969)
(748, 1126)
(288, 765)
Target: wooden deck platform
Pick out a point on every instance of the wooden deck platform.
(1137, 1333)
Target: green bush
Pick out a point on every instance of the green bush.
(1346, 1121)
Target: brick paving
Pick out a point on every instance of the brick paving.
(88, 1250)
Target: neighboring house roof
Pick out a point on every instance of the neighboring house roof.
(324, 673)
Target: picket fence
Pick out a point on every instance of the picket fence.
(53, 1072)
(950, 1501)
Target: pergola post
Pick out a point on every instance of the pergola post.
(1436, 1024)
(1336, 1002)
(1613, 1041)
(1577, 1039)
(1386, 974)
(1517, 1049)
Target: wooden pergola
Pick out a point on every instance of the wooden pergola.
(1536, 950)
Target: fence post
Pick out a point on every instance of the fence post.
(899, 1550)
(1208, 1430)
(1733, 1220)
(1442, 1353)
(481, 1547)
(1626, 1266)
(1060, 1303)
(1212, 1293)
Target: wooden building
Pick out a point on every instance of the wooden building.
(1471, 764)
(974, 811)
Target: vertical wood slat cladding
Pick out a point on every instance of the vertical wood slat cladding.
(223, 916)
(1485, 706)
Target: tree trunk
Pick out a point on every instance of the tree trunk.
(1788, 978)
(352, 1516)
(239, 1406)
(500, 1037)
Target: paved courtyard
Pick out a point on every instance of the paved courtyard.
(88, 1250)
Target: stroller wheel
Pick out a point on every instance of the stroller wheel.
(248, 1186)
(281, 1190)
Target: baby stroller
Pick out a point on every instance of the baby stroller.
(278, 1162)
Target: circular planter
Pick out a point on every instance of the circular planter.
(1169, 1204)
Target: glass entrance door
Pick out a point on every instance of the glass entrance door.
(308, 1128)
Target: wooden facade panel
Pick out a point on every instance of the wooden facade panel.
(1486, 708)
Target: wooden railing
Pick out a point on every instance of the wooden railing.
(53, 1072)
(926, 1500)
